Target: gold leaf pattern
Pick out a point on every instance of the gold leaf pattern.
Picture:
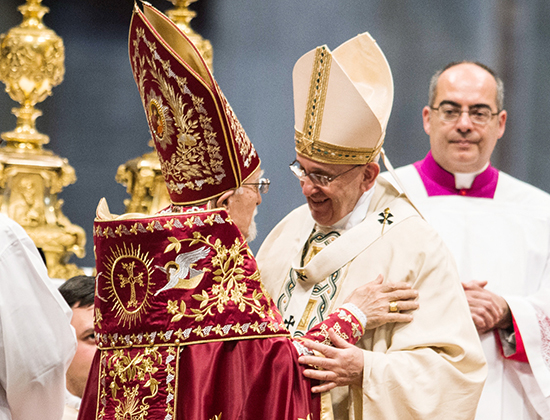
(229, 277)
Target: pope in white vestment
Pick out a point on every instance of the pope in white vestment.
(354, 228)
(498, 229)
(432, 368)
(36, 339)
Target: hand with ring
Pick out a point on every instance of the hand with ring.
(375, 297)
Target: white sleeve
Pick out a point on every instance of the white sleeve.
(37, 341)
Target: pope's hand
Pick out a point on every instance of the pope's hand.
(341, 366)
(374, 300)
(488, 309)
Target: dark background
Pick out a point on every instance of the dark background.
(96, 120)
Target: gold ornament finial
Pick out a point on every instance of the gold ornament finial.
(31, 64)
(181, 16)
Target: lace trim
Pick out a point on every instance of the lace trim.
(544, 325)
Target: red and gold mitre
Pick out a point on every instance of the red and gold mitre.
(202, 147)
(177, 279)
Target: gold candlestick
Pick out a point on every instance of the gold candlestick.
(31, 64)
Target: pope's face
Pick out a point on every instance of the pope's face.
(331, 203)
(77, 373)
(462, 146)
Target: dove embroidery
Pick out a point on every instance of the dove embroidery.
(180, 274)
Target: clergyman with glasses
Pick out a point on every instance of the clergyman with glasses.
(498, 229)
(355, 227)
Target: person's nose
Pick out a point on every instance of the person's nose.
(259, 197)
(464, 122)
(308, 187)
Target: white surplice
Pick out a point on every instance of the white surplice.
(37, 341)
(505, 241)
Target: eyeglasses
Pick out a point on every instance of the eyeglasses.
(316, 179)
(479, 114)
(262, 184)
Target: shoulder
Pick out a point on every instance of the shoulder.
(514, 190)
(288, 235)
(298, 216)
(10, 232)
(408, 225)
(401, 171)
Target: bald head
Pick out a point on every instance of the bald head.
(467, 64)
(464, 145)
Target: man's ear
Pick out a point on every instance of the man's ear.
(426, 119)
(370, 173)
(223, 200)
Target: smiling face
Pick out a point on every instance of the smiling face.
(331, 203)
(461, 146)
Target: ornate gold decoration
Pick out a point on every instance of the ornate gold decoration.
(129, 269)
(229, 277)
(184, 337)
(192, 158)
(318, 87)
(142, 176)
(144, 181)
(123, 369)
(31, 64)
(182, 16)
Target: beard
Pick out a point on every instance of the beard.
(252, 228)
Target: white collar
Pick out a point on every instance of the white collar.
(465, 180)
(358, 213)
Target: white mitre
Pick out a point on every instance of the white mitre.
(342, 102)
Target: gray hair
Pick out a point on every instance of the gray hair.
(435, 79)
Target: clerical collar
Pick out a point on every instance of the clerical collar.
(354, 217)
(438, 181)
(465, 180)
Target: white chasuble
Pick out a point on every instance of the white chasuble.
(430, 368)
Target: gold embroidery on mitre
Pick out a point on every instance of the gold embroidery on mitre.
(315, 106)
(245, 146)
(196, 160)
(322, 152)
(129, 268)
(159, 120)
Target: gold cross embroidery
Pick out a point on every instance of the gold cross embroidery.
(131, 280)
(385, 215)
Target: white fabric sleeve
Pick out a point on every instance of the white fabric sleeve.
(37, 341)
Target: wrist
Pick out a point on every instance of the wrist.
(357, 313)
